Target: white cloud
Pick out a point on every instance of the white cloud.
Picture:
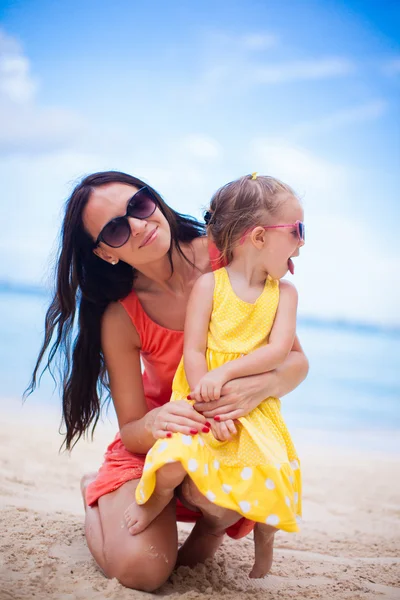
(301, 70)
(221, 42)
(231, 65)
(24, 125)
(343, 270)
(259, 41)
(16, 81)
(34, 189)
(308, 174)
(31, 129)
(202, 147)
(369, 111)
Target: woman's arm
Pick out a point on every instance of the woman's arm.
(240, 396)
(285, 378)
(138, 427)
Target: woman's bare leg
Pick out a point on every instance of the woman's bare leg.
(142, 562)
(93, 528)
(264, 550)
(168, 477)
(208, 533)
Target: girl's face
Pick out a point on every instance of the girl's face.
(149, 239)
(281, 244)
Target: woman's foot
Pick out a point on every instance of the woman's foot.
(85, 480)
(264, 550)
(138, 518)
(202, 543)
(208, 533)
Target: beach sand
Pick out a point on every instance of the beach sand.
(348, 548)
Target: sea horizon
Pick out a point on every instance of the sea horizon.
(351, 394)
(8, 286)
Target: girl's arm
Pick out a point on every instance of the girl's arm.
(138, 427)
(196, 329)
(281, 339)
(262, 360)
(240, 396)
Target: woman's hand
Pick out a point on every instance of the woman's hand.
(178, 417)
(238, 398)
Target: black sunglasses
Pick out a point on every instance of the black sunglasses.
(117, 231)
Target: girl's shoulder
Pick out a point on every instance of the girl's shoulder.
(205, 284)
(287, 289)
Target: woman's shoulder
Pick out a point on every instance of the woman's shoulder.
(200, 250)
(117, 322)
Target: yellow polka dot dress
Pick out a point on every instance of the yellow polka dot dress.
(257, 472)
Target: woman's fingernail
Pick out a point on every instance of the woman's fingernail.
(169, 434)
(193, 431)
(207, 424)
(205, 430)
(189, 397)
(217, 418)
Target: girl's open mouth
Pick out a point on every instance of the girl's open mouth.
(291, 266)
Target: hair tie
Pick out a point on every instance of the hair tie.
(254, 175)
(207, 217)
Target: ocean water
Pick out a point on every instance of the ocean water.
(353, 387)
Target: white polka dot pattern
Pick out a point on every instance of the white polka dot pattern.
(256, 473)
(272, 520)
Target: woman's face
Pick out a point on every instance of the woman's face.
(150, 238)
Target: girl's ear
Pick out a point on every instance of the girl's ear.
(258, 237)
(101, 253)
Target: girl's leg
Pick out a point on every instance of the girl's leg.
(139, 516)
(142, 562)
(264, 549)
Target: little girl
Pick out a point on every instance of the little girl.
(241, 320)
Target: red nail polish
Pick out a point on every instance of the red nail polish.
(207, 424)
(217, 418)
(169, 434)
(205, 430)
(189, 397)
(193, 431)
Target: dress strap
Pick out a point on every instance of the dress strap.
(136, 313)
(215, 257)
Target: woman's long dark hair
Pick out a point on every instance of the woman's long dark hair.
(85, 285)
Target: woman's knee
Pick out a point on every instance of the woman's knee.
(145, 573)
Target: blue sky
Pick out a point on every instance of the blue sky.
(189, 95)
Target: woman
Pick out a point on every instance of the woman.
(127, 264)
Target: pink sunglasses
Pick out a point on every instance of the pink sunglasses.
(299, 226)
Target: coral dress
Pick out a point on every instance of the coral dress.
(257, 472)
(161, 351)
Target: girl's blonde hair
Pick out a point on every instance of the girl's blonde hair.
(239, 205)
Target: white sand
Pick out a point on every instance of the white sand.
(349, 546)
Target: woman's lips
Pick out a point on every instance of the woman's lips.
(291, 266)
(150, 238)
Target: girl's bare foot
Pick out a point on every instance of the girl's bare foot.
(137, 517)
(264, 549)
